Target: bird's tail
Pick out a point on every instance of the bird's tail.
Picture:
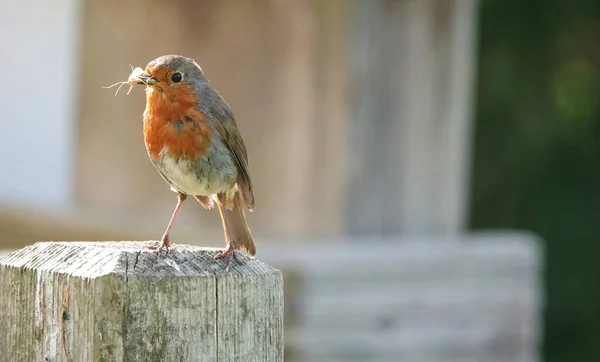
(238, 227)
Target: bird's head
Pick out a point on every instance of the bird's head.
(168, 71)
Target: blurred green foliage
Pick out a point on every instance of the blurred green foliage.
(537, 152)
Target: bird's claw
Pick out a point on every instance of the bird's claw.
(165, 245)
(230, 253)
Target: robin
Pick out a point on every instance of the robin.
(193, 142)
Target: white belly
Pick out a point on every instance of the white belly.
(214, 173)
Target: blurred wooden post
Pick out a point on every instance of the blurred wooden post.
(413, 67)
(106, 301)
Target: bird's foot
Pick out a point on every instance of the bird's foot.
(230, 253)
(165, 244)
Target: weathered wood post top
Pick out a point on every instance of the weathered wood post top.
(115, 301)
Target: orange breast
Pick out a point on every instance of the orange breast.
(173, 122)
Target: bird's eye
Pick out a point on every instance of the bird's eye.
(176, 77)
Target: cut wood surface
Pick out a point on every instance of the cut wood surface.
(114, 301)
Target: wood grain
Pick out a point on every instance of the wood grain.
(112, 301)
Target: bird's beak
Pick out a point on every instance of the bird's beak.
(139, 76)
(146, 78)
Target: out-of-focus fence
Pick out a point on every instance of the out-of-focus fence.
(468, 299)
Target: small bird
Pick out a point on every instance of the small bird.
(193, 141)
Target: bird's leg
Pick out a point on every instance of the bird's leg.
(230, 249)
(165, 243)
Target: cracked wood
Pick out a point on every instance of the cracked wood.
(111, 301)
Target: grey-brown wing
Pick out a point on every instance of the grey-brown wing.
(230, 134)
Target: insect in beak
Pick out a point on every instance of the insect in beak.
(138, 76)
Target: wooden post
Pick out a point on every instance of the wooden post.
(114, 301)
(412, 71)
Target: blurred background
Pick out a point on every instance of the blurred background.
(425, 170)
